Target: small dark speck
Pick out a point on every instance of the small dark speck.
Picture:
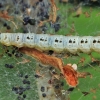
(51, 68)
(5, 24)
(40, 65)
(8, 27)
(62, 83)
(24, 96)
(7, 51)
(57, 86)
(86, 41)
(42, 88)
(9, 66)
(50, 82)
(18, 54)
(50, 52)
(53, 72)
(94, 41)
(20, 92)
(13, 51)
(14, 88)
(70, 41)
(32, 21)
(71, 89)
(37, 76)
(44, 95)
(98, 41)
(21, 88)
(26, 81)
(26, 76)
(9, 54)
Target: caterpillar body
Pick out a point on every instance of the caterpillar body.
(57, 43)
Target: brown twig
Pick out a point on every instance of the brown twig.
(69, 73)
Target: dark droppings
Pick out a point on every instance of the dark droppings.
(37, 76)
(32, 21)
(14, 88)
(57, 27)
(18, 90)
(57, 86)
(50, 52)
(7, 51)
(5, 24)
(70, 89)
(26, 76)
(9, 54)
(17, 54)
(42, 88)
(13, 51)
(26, 81)
(44, 94)
(62, 84)
(26, 20)
(9, 66)
(24, 95)
(8, 27)
(51, 68)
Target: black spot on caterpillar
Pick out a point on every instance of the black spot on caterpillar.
(57, 43)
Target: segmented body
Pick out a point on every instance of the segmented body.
(57, 43)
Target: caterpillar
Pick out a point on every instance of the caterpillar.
(57, 43)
